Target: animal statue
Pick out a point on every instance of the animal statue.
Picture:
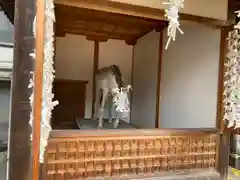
(110, 88)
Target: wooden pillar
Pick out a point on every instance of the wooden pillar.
(160, 53)
(223, 154)
(95, 68)
(224, 140)
(19, 165)
(221, 70)
(38, 87)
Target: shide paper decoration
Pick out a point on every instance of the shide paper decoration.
(171, 13)
(232, 78)
(48, 77)
(121, 99)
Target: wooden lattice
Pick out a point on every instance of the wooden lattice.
(120, 156)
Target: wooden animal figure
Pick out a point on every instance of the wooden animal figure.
(110, 88)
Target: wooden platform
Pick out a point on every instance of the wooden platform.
(132, 154)
(89, 124)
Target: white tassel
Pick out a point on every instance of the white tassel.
(171, 13)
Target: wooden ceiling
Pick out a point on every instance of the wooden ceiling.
(101, 26)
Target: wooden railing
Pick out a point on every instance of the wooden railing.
(88, 154)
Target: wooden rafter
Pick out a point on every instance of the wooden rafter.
(138, 11)
(101, 26)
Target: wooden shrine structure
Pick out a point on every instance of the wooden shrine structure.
(77, 154)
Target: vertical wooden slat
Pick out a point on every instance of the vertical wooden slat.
(95, 69)
(157, 116)
(38, 87)
(19, 152)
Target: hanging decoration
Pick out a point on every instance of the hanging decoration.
(172, 14)
(48, 77)
(232, 78)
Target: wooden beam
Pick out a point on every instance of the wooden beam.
(19, 152)
(119, 20)
(97, 38)
(94, 24)
(87, 28)
(60, 33)
(96, 34)
(131, 42)
(95, 69)
(137, 11)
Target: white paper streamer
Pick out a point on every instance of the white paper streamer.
(121, 99)
(171, 13)
(232, 78)
(48, 77)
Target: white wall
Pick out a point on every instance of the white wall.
(145, 70)
(75, 56)
(190, 78)
(74, 60)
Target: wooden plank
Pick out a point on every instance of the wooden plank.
(19, 166)
(38, 87)
(137, 132)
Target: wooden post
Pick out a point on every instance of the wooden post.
(38, 87)
(224, 141)
(221, 70)
(19, 165)
(220, 110)
(95, 68)
(223, 154)
(160, 54)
